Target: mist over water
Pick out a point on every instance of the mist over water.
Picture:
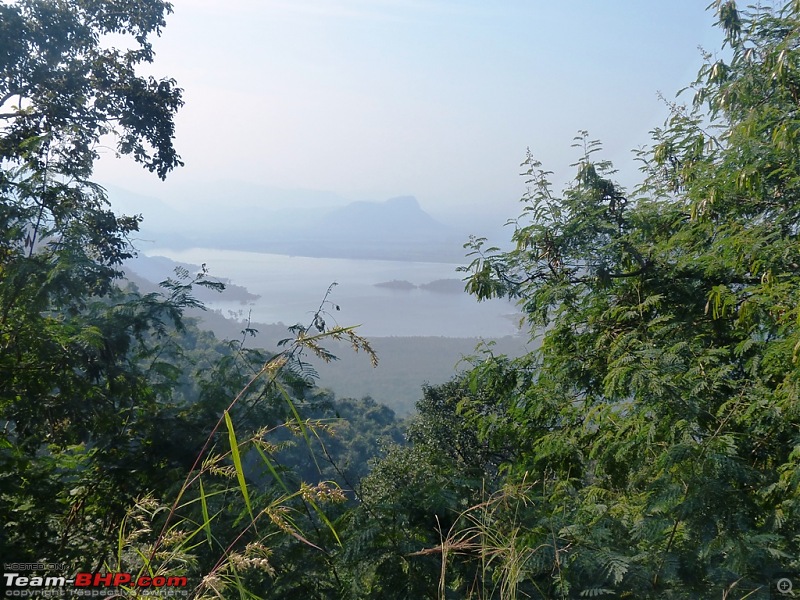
(292, 287)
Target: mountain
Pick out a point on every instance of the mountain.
(236, 216)
(396, 217)
(395, 229)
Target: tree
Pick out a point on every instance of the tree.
(660, 416)
(62, 88)
(415, 494)
(137, 435)
(82, 363)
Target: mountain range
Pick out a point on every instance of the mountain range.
(296, 222)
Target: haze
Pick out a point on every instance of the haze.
(367, 100)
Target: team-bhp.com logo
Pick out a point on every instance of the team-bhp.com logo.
(17, 584)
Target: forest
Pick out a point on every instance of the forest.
(648, 447)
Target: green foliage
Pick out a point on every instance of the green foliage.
(647, 449)
(107, 395)
(661, 413)
(86, 370)
(113, 454)
(348, 435)
(252, 519)
(412, 498)
(63, 87)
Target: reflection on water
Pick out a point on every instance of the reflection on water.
(291, 288)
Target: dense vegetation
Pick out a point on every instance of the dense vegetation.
(120, 417)
(648, 448)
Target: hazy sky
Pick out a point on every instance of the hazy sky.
(439, 99)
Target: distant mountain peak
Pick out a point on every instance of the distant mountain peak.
(385, 218)
(404, 201)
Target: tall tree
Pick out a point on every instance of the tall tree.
(79, 367)
(660, 417)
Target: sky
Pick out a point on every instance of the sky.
(439, 99)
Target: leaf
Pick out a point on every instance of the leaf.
(237, 463)
(325, 520)
(272, 469)
(595, 592)
(206, 518)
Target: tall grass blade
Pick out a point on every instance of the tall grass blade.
(272, 469)
(237, 463)
(206, 518)
(300, 424)
(325, 520)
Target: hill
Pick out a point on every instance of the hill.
(405, 363)
(293, 222)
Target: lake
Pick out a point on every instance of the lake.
(292, 287)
